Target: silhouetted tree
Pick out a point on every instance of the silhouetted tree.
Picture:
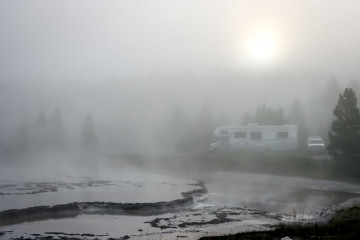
(322, 108)
(21, 142)
(205, 126)
(205, 118)
(278, 116)
(56, 131)
(247, 118)
(332, 89)
(89, 139)
(268, 116)
(297, 116)
(172, 134)
(89, 147)
(261, 115)
(39, 136)
(200, 134)
(354, 85)
(345, 129)
(222, 120)
(178, 119)
(41, 122)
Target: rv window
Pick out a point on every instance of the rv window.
(240, 134)
(255, 135)
(282, 134)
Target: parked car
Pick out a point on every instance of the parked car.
(315, 144)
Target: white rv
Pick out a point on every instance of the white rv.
(256, 137)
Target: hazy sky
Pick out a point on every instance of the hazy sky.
(84, 55)
(64, 40)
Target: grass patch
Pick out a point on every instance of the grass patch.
(344, 225)
(279, 163)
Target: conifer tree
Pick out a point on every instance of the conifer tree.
(56, 131)
(345, 129)
(89, 138)
(297, 116)
(265, 115)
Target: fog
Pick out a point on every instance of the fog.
(134, 65)
(131, 64)
(145, 83)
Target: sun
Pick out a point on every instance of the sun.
(261, 47)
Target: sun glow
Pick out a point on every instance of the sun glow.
(261, 47)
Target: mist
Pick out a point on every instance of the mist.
(89, 88)
(131, 64)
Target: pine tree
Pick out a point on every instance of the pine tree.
(268, 116)
(354, 85)
(297, 116)
(323, 111)
(89, 146)
(177, 125)
(56, 131)
(39, 138)
(279, 118)
(247, 118)
(345, 129)
(89, 138)
(200, 134)
(21, 142)
(41, 121)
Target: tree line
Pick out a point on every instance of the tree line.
(334, 117)
(49, 136)
(185, 135)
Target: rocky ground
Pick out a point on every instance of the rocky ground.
(341, 221)
(174, 216)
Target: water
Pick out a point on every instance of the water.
(276, 193)
(125, 185)
(235, 202)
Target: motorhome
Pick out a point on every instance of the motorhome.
(256, 137)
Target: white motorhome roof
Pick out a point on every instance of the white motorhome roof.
(225, 130)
